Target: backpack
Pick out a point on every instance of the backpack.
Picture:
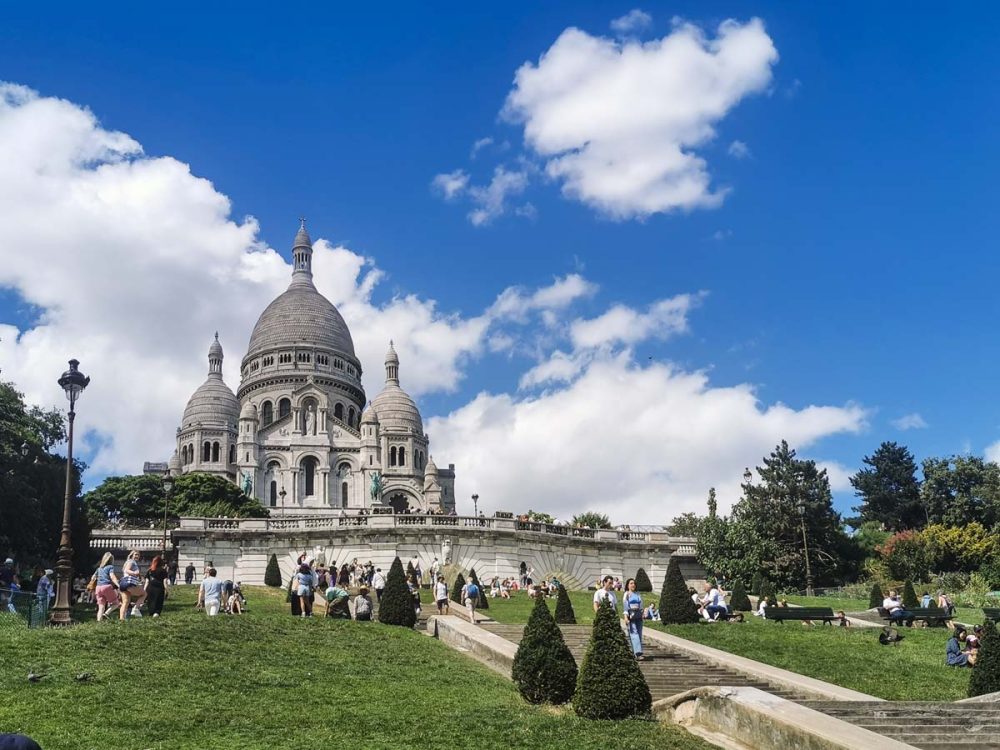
(362, 606)
(472, 591)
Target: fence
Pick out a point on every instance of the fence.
(22, 609)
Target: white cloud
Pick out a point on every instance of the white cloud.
(632, 22)
(910, 422)
(516, 302)
(491, 199)
(838, 474)
(451, 184)
(641, 444)
(479, 145)
(624, 325)
(992, 452)
(720, 235)
(617, 121)
(739, 150)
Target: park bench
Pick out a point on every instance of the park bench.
(930, 615)
(992, 613)
(780, 614)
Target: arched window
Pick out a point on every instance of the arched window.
(338, 412)
(402, 456)
(232, 454)
(309, 468)
(284, 408)
(206, 452)
(343, 494)
(184, 455)
(350, 416)
(272, 494)
(266, 413)
(215, 452)
(392, 456)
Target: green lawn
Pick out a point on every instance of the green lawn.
(968, 615)
(850, 657)
(518, 607)
(266, 680)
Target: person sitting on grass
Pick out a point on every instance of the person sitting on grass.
(714, 603)
(842, 619)
(336, 603)
(972, 639)
(651, 612)
(237, 602)
(897, 613)
(953, 654)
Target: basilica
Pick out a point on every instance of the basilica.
(299, 434)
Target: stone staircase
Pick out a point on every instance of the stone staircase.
(933, 726)
(666, 671)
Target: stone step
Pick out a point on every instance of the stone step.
(920, 739)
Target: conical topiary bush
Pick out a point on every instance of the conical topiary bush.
(564, 608)
(411, 572)
(676, 606)
(456, 589)
(755, 583)
(739, 601)
(272, 575)
(610, 685)
(396, 606)
(483, 602)
(986, 674)
(642, 582)
(910, 600)
(875, 598)
(544, 670)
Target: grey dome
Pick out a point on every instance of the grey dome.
(396, 411)
(368, 416)
(249, 411)
(301, 316)
(213, 404)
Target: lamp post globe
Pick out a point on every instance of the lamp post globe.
(73, 382)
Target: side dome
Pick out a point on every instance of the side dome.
(213, 403)
(368, 416)
(395, 409)
(249, 411)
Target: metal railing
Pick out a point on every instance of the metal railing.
(22, 609)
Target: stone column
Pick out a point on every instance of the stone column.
(296, 420)
(321, 427)
(325, 474)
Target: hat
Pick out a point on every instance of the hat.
(49, 571)
(9, 561)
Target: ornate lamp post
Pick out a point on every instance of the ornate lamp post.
(801, 505)
(168, 486)
(282, 496)
(475, 505)
(72, 382)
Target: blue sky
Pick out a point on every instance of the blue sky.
(851, 261)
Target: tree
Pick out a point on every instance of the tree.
(396, 606)
(755, 582)
(411, 572)
(986, 674)
(610, 684)
(483, 602)
(905, 556)
(961, 489)
(768, 593)
(875, 599)
(456, 589)
(910, 600)
(686, 524)
(544, 670)
(642, 582)
(272, 575)
(889, 490)
(676, 605)
(739, 600)
(564, 608)
(591, 520)
(538, 517)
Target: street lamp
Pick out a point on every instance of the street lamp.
(24, 450)
(475, 505)
(168, 486)
(282, 496)
(801, 505)
(747, 475)
(72, 382)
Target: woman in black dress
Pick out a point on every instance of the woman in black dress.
(344, 578)
(155, 586)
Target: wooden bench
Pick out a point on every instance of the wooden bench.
(930, 615)
(780, 614)
(992, 613)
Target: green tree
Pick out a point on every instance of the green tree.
(272, 575)
(564, 608)
(739, 601)
(961, 489)
(676, 605)
(591, 520)
(456, 589)
(483, 602)
(889, 490)
(985, 676)
(538, 517)
(755, 582)
(686, 524)
(910, 600)
(411, 572)
(396, 606)
(610, 684)
(875, 598)
(642, 582)
(544, 670)
(768, 593)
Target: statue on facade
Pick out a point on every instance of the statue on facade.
(247, 483)
(376, 488)
(446, 551)
(311, 420)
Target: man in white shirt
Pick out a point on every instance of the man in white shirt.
(897, 613)
(605, 593)
(378, 583)
(441, 596)
(210, 593)
(715, 603)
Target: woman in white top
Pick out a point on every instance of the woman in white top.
(132, 592)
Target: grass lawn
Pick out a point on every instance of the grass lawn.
(850, 657)
(968, 615)
(269, 681)
(518, 607)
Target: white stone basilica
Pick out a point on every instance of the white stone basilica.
(297, 435)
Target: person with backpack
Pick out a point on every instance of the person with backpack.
(363, 606)
(471, 593)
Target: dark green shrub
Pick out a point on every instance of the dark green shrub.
(564, 608)
(272, 576)
(986, 674)
(484, 600)
(767, 593)
(676, 606)
(642, 582)
(875, 599)
(411, 572)
(910, 600)
(739, 601)
(610, 685)
(456, 589)
(755, 583)
(544, 669)
(396, 607)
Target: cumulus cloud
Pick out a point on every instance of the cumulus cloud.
(517, 302)
(739, 150)
(992, 452)
(479, 145)
(451, 184)
(632, 22)
(491, 200)
(625, 325)
(910, 422)
(617, 122)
